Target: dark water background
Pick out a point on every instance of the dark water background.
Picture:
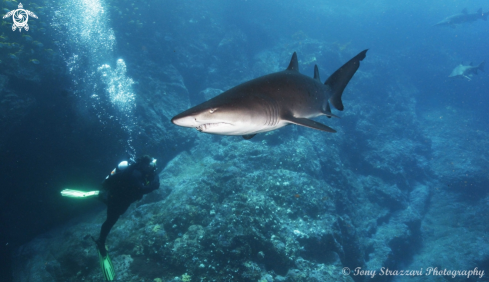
(60, 139)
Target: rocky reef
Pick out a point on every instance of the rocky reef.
(290, 205)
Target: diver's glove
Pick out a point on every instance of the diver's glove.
(155, 184)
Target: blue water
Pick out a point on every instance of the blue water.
(94, 98)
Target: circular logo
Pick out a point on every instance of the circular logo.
(20, 17)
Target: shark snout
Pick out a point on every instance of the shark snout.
(185, 121)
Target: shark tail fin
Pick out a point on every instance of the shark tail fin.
(481, 66)
(484, 15)
(340, 78)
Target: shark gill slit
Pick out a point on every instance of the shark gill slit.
(275, 114)
(268, 113)
(272, 113)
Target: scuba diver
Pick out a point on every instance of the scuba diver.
(126, 184)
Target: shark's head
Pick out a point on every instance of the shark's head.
(221, 117)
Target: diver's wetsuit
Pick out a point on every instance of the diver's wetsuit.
(119, 192)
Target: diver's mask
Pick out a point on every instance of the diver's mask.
(151, 171)
(152, 164)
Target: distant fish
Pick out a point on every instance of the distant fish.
(466, 70)
(463, 17)
(38, 44)
(12, 56)
(27, 37)
(35, 61)
(272, 101)
(50, 52)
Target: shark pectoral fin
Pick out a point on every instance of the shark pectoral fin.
(309, 123)
(327, 111)
(249, 136)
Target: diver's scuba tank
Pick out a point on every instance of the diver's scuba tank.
(120, 167)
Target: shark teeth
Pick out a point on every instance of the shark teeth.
(207, 126)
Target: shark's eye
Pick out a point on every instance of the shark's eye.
(212, 110)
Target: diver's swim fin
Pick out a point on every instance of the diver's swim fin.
(105, 262)
(78, 194)
(107, 267)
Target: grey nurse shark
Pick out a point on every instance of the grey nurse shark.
(463, 17)
(272, 101)
(466, 70)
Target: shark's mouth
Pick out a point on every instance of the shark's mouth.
(208, 126)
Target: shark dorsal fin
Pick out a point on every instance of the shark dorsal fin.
(294, 64)
(479, 11)
(464, 11)
(316, 73)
